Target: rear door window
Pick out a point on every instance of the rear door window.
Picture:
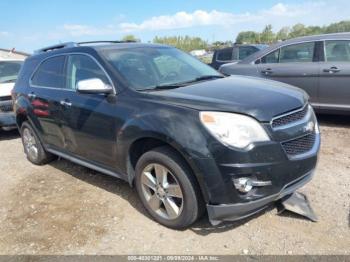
(50, 73)
(224, 54)
(338, 51)
(298, 53)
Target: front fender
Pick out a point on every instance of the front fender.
(178, 127)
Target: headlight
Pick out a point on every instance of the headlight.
(233, 129)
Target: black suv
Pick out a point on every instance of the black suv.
(186, 137)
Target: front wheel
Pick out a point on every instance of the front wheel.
(167, 188)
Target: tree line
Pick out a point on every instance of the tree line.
(266, 36)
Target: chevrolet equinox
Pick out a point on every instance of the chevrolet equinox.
(187, 138)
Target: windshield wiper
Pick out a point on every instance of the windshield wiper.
(163, 87)
(181, 84)
(207, 77)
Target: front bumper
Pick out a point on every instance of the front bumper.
(7, 116)
(7, 120)
(232, 212)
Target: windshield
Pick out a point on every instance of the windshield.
(154, 67)
(9, 71)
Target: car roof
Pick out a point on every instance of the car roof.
(88, 46)
(336, 36)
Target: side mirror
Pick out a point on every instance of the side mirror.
(93, 86)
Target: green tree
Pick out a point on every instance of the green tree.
(283, 33)
(130, 38)
(185, 43)
(267, 35)
(248, 37)
(343, 26)
(298, 30)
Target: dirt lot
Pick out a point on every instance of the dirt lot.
(63, 208)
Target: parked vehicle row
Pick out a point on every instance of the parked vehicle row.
(320, 65)
(9, 69)
(189, 139)
(234, 53)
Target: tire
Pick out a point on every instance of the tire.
(179, 176)
(33, 147)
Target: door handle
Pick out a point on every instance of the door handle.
(331, 70)
(267, 71)
(65, 103)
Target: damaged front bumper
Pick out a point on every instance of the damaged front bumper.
(233, 212)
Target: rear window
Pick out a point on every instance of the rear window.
(224, 54)
(50, 73)
(9, 71)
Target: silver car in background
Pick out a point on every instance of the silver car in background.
(320, 65)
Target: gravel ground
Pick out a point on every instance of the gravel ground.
(62, 208)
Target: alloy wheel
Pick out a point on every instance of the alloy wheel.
(162, 191)
(30, 144)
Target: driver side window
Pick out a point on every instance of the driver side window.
(271, 58)
(82, 67)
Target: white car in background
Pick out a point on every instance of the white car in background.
(9, 69)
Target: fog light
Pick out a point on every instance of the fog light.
(243, 184)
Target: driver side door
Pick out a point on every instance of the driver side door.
(89, 119)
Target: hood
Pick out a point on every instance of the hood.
(259, 98)
(6, 88)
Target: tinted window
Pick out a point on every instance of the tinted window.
(9, 71)
(338, 51)
(245, 51)
(224, 54)
(50, 73)
(271, 58)
(303, 52)
(82, 67)
(168, 66)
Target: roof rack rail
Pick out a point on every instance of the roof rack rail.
(108, 41)
(54, 47)
(73, 44)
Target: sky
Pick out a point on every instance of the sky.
(31, 24)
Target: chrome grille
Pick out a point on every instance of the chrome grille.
(5, 98)
(290, 118)
(6, 106)
(300, 145)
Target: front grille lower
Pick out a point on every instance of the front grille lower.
(300, 145)
(290, 118)
(6, 106)
(5, 98)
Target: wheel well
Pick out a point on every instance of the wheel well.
(20, 119)
(141, 146)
